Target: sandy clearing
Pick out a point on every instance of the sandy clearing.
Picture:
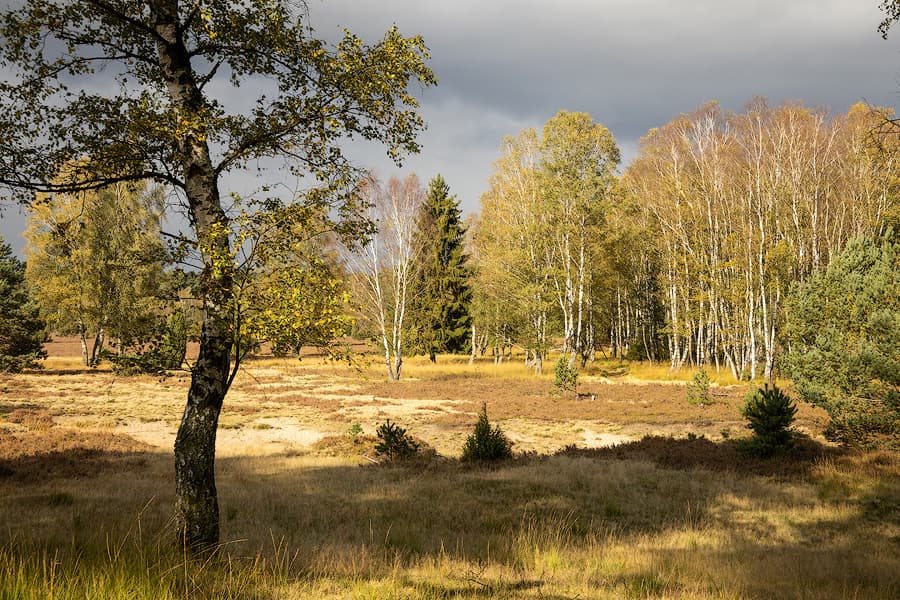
(593, 439)
(271, 435)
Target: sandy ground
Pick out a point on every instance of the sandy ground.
(287, 407)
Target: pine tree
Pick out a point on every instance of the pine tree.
(843, 327)
(440, 310)
(21, 329)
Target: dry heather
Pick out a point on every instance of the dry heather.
(86, 493)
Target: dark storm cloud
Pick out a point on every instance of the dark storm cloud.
(633, 64)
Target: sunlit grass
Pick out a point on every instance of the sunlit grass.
(300, 527)
(301, 520)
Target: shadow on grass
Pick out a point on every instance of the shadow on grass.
(608, 519)
(691, 453)
(6, 409)
(37, 456)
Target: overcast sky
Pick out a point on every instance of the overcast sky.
(505, 65)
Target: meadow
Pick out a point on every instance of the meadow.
(630, 491)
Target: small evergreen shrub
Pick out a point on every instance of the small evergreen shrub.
(566, 376)
(769, 412)
(486, 442)
(394, 442)
(354, 431)
(698, 388)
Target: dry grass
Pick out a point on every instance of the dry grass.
(86, 493)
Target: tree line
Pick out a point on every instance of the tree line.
(690, 254)
(686, 257)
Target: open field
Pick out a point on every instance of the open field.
(636, 494)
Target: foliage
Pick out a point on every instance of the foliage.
(22, 330)
(539, 236)
(298, 305)
(381, 266)
(486, 442)
(698, 388)
(844, 332)
(576, 172)
(439, 309)
(170, 117)
(769, 412)
(95, 260)
(512, 295)
(394, 442)
(290, 289)
(565, 375)
(737, 208)
(310, 95)
(891, 9)
(354, 431)
(164, 352)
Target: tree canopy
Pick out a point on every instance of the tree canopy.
(95, 261)
(151, 64)
(540, 235)
(891, 9)
(181, 93)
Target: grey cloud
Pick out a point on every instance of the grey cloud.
(633, 64)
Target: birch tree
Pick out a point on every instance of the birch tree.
(513, 285)
(382, 266)
(182, 93)
(745, 204)
(578, 158)
(95, 262)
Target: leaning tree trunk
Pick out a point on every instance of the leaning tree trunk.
(196, 502)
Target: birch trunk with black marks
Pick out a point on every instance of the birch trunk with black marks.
(196, 501)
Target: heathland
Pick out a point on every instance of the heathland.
(626, 491)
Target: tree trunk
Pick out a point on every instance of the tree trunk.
(82, 336)
(97, 348)
(196, 503)
(196, 500)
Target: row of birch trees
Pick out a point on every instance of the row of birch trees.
(539, 239)
(689, 255)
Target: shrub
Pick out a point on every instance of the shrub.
(698, 388)
(394, 442)
(769, 412)
(164, 352)
(486, 442)
(843, 330)
(566, 376)
(354, 431)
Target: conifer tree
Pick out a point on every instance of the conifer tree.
(21, 329)
(440, 312)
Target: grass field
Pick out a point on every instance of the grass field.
(634, 494)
